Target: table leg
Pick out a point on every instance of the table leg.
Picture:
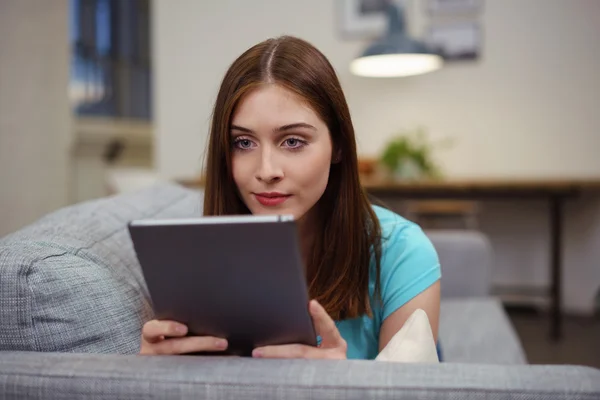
(556, 220)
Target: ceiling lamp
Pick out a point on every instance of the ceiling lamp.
(395, 54)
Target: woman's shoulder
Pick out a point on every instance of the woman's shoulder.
(399, 234)
(394, 225)
(409, 261)
(404, 245)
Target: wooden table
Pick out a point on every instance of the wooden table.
(555, 192)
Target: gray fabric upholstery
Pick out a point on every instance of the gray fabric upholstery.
(70, 376)
(466, 258)
(71, 282)
(473, 327)
(478, 331)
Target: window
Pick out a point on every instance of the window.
(111, 71)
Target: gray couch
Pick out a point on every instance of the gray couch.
(73, 301)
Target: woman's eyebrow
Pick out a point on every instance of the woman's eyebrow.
(283, 128)
(295, 126)
(241, 128)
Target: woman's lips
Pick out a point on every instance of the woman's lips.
(271, 199)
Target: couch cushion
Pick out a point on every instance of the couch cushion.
(75, 376)
(69, 280)
(466, 257)
(478, 330)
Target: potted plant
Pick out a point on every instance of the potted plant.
(409, 156)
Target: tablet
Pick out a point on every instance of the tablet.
(236, 277)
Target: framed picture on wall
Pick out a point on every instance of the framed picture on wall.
(456, 41)
(455, 6)
(364, 19)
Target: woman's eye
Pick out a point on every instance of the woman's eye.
(293, 143)
(243, 144)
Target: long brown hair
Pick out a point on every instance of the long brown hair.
(349, 237)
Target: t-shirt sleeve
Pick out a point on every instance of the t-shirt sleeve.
(409, 265)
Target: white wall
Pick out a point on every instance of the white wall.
(528, 108)
(34, 110)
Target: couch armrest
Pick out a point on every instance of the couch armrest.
(53, 376)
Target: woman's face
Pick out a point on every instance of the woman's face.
(281, 153)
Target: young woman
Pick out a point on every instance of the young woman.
(282, 142)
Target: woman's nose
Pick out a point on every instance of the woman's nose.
(269, 169)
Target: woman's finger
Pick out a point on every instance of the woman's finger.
(298, 351)
(189, 344)
(325, 327)
(155, 330)
(333, 346)
(286, 351)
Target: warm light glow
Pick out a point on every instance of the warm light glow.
(395, 65)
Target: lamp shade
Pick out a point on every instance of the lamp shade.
(395, 54)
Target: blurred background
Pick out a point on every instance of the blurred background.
(104, 96)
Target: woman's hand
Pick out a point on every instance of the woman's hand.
(168, 337)
(332, 346)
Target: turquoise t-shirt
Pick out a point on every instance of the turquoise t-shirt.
(409, 265)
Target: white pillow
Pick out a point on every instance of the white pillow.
(413, 343)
